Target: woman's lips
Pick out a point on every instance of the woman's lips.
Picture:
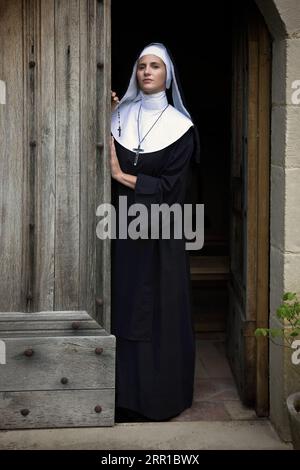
(147, 80)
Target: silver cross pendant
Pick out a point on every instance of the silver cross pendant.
(137, 154)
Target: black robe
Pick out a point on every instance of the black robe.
(151, 310)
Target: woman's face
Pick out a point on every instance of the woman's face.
(151, 74)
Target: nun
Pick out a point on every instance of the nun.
(154, 145)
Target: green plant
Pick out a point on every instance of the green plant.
(289, 314)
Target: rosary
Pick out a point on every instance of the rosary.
(139, 150)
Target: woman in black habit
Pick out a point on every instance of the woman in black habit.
(153, 147)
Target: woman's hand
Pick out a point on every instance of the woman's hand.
(114, 101)
(115, 168)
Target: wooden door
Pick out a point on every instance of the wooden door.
(54, 170)
(249, 250)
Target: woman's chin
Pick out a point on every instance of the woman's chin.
(149, 88)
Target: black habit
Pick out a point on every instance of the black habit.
(151, 310)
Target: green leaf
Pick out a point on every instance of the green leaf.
(276, 332)
(297, 307)
(289, 296)
(261, 332)
(289, 310)
(281, 312)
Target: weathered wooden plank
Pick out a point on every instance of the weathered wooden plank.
(31, 147)
(47, 316)
(241, 347)
(49, 333)
(43, 296)
(67, 230)
(85, 189)
(103, 41)
(252, 160)
(11, 156)
(2, 92)
(75, 322)
(106, 253)
(28, 325)
(238, 161)
(93, 183)
(262, 314)
(55, 358)
(88, 176)
(65, 323)
(54, 409)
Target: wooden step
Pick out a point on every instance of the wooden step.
(206, 268)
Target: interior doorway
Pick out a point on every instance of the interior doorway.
(204, 50)
(204, 63)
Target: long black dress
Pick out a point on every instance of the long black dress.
(151, 311)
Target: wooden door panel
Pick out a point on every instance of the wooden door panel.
(54, 161)
(67, 174)
(45, 207)
(248, 291)
(12, 217)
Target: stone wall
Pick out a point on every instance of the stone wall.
(283, 20)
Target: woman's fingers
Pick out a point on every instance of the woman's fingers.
(114, 98)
